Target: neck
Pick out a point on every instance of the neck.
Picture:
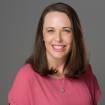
(57, 64)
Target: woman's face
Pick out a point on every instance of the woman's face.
(57, 34)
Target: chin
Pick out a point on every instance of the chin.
(59, 56)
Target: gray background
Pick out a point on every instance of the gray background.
(18, 21)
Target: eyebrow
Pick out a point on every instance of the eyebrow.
(62, 27)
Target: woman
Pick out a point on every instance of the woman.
(58, 71)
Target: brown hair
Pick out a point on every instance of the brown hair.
(76, 62)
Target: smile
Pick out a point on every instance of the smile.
(59, 48)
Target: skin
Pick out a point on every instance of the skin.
(57, 35)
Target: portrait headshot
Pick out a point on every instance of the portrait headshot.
(54, 56)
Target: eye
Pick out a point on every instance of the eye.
(67, 30)
(50, 30)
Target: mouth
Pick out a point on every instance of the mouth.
(58, 48)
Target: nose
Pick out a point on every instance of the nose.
(58, 36)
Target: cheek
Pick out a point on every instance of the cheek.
(68, 40)
(47, 38)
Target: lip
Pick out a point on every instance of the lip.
(58, 48)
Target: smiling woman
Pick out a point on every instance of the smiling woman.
(57, 35)
(53, 24)
(58, 71)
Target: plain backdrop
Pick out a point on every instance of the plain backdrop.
(18, 21)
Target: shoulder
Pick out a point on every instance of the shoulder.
(92, 83)
(89, 75)
(26, 72)
(22, 84)
(26, 69)
(24, 75)
(89, 70)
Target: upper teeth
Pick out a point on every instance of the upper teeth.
(58, 46)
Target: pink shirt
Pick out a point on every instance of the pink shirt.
(29, 88)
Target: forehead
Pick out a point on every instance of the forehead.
(56, 19)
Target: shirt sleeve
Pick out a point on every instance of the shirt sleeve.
(18, 94)
(93, 85)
